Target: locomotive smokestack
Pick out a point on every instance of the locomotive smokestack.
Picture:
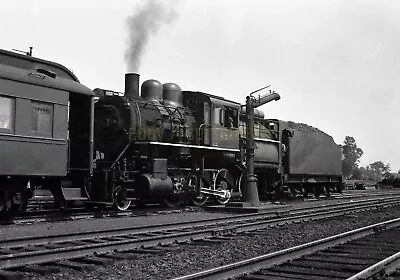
(131, 85)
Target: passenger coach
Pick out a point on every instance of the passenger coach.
(44, 125)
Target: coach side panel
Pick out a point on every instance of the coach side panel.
(33, 129)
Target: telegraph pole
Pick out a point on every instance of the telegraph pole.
(251, 194)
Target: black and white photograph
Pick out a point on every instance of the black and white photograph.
(200, 139)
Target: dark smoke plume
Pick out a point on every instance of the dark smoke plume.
(145, 21)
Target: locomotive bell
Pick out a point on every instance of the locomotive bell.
(172, 94)
(152, 90)
(131, 85)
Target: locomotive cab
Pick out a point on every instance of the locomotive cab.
(217, 119)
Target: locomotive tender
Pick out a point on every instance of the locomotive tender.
(166, 144)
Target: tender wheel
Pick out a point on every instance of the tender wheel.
(20, 201)
(318, 191)
(119, 199)
(292, 193)
(223, 181)
(327, 192)
(5, 202)
(202, 198)
(2, 205)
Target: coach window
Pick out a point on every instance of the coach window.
(42, 118)
(6, 113)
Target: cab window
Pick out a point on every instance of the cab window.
(231, 117)
(218, 116)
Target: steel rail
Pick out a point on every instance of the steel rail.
(67, 237)
(230, 223)
(54, 215)
(379, 270)
(62, 249)
(70, 214)
(276, 258)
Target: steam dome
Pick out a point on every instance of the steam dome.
(172, 94)
(152, 90)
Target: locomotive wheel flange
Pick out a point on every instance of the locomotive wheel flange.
(120, 201)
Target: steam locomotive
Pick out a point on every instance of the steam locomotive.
(156, 143)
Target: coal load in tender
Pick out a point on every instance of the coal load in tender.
(311, 151)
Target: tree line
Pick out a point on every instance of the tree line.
(351, 155)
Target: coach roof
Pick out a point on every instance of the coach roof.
(27, 69)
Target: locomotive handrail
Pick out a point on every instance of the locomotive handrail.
(117, 159)
(201, 127)
(186, 146)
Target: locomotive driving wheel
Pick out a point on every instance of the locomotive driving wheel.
(175, 200)
(223, 182)
(119, 199)
(172, 201)
(201, 199)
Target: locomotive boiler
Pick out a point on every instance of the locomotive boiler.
(156, 115)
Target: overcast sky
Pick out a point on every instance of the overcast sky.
(335, 63)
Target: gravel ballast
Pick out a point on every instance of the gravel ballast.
(186, 259)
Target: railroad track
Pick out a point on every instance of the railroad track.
(71, 214)
(54, 250)
(355, 194)
(371, 252)
(37, 215)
